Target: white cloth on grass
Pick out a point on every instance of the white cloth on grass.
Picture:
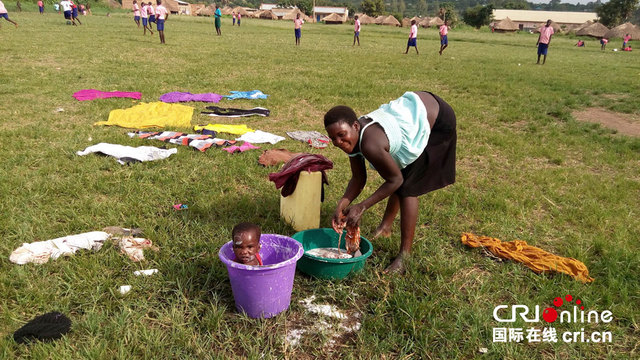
(128, 153)
(40, 252)
(260, 137)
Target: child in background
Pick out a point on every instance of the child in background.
(152, 13)
(625, 40)
(356, 31)
(413, 35)
(136, 12)
(145, 19)
(239, 17)
(234, 18)
(217, 15)
(161, 16)
(246, 243)
(603, 43)
(580, 43)
(297, 25)
(444, 41)
(74, 13)
(4, 14)
(66, 9)
(41, 7)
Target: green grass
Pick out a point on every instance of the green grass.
(526, 169)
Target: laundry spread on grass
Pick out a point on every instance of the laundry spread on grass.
(533, 257)
(260, 137)
(233, 112)
(128, 154)
(92, 94)
(313, 138)
(40, 252)
(287, 177)
(242, 148)
(224, 128)
(177, 96)
(200, 142)
(146, 115)
(254, 94)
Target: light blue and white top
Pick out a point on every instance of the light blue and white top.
(405, 123)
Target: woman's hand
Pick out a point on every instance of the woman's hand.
(338, 222)
(353, 214)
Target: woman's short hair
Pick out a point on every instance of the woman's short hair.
(340, 113)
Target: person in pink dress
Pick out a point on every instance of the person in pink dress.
(413, 36)
(297, 25)
(144, 14)
(41, 7)
(239, 17)
(444, 40)
(544, 40)
(233, 14)
(625, 40)
(356, 31)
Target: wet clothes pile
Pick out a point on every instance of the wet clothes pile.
(127, 154)
(146, 115)
(178, 96)
(533, 257)
(91, 94)
(287, 177)
(254, 94)
(313, 138)
(233, 112)
(201, 142)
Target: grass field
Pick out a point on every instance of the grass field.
(526, 169)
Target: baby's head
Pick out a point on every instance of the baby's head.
(246, 243)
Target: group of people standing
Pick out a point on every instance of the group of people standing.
(148, 14)
(413, 37)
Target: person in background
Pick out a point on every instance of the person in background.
(41, 7)
(544, 40)
(152, 13)
(144, 15)
(74, 13)
(603, 43)
(239, 17)
(4, 14)
(136, 12)
(161, 16)
(234, 18)
(356, 31)
(297, 28)
(444, 40)
(217, 15)
(413, 35)
(625, 40)
(66, 10)
(580, 43)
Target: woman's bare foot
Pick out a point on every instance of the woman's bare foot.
(382, 231)
(396, 267)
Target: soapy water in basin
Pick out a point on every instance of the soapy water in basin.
(329, 253)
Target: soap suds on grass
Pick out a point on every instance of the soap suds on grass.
(326, 319)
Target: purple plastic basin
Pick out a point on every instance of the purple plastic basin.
(264, 291)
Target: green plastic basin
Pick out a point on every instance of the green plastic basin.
(329, 268)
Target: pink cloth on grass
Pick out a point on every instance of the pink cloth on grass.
(178, 96)
(91, 94)
(242, 148)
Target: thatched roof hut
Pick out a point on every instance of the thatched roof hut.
(227, 10)
(366, 19)
(424, 22)
(436, 21)
(195, 8)
(506, 25)
(417, 19)
(380, 19)
(292, 15)
(406, 22)
(240, 10)
(333, 18)
(596, 30)
(265, 14)
(583, 25)
(554, 25)
(622, 30)
(391, 21)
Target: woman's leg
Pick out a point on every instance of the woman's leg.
(384, 229)
(408, 220)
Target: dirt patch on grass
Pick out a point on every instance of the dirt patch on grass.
(626, 124)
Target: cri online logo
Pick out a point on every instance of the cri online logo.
(551, 314)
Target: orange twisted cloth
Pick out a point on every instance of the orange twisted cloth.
(534, 258)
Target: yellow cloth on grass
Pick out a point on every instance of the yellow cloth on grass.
(147, 115)
(229, 129)
(535, 258)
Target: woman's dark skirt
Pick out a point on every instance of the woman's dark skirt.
(436, 167)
